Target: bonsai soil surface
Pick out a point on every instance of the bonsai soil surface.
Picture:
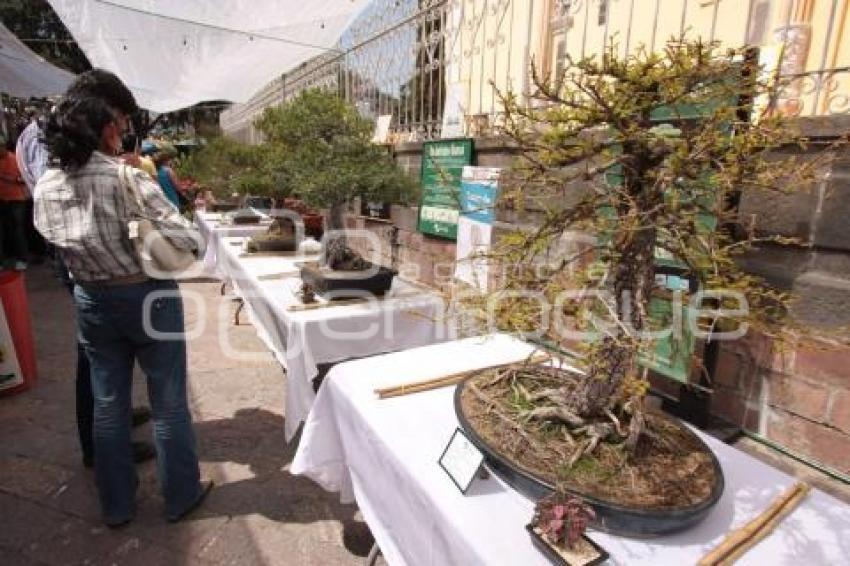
(670, 468)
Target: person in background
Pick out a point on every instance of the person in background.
(32, 160)
(83, 209)
(31, 154)
(13, 210)
(129, 150)
(146, 163)
(165, 174)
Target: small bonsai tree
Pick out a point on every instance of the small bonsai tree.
(649, 154)
(562, 518)
(324, 145)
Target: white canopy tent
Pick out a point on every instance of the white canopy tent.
(24, 74)
(173, 54)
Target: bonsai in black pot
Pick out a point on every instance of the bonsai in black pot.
(324, 146)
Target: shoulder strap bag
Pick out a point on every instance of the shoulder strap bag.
(160, 259)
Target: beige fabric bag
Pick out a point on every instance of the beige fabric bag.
(160, 258)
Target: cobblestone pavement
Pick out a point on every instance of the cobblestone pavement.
(257, 514)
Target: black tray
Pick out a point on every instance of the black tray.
(246, 219)
(621, 520)
(347, 284)
(541, 544)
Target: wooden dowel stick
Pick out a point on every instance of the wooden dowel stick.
(747, 536)
(450, 379)
(768, 527)
(314, 306)
(352, 301)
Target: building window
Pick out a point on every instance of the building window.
(603, 12)
(560, 13)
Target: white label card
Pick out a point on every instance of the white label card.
(461, 460)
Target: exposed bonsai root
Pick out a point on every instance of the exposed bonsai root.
(579, 452)
(502, 417)
(597, 432)
(617, 426)
(500, 376)
(636, 428)
(568, 437)
(552, 395)
(556, 414)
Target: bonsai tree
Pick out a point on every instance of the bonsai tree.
(225, 166)
(324, 146)
(648, 153)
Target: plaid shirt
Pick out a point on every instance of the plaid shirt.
(85, 213)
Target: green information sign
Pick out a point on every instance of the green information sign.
(442, 165)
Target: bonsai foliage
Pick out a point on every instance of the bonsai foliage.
(325, 147)
(226, 166)
(648, 154)
(563, 519)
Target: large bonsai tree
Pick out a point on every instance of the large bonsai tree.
(324, 145)
(649, 153)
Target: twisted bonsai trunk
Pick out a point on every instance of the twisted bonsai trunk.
(338, 255)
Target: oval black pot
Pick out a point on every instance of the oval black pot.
(612, 518)
(345, 284)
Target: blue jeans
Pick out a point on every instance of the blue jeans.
(111, 329)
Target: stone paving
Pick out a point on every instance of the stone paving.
(257, 514)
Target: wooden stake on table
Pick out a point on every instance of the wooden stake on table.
(451, 379)
(344, 302)
(314, 306)
(273, 276)
(741, 540)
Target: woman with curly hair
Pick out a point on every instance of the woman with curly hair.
(82, 208)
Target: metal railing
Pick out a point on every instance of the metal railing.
(435, 65)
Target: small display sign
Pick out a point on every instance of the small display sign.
(462, 460)
(442, 164)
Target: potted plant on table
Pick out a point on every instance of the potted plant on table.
(648, 154)
(226, 166)
(325, 147)
(558, 528)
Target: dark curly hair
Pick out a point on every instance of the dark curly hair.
(73, 130)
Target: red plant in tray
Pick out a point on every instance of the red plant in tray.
(563, 519)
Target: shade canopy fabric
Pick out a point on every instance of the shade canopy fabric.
(176, 54)
(25, 74)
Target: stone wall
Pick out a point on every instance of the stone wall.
(797, 395)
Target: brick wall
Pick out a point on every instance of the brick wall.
(798, 393)
(398, 244)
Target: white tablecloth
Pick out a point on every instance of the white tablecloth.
(407, 317)
(383, 454)
(212, 230)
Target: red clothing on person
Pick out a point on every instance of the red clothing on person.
(11, 184)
